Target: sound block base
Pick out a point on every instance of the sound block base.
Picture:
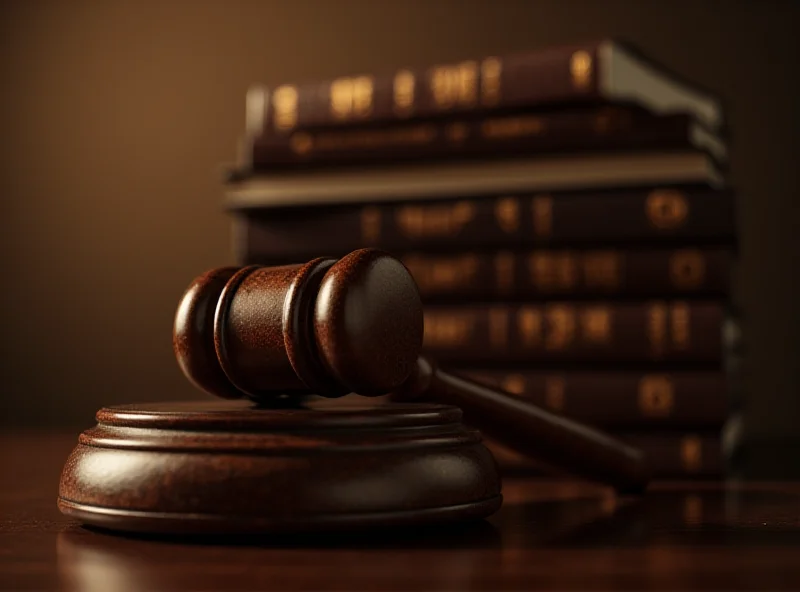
(230, 467)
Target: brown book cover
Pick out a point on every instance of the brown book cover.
(538, 274)
(568, 331)
(604, 71)
(612, 217)
(619, 400)
(670, 455)
(603, 129)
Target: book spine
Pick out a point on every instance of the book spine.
(546, 76)
(605, 129)
(682, 455)
(556, 331)
(613, 218)
(672, 452)
(618, 400)
(537, 274)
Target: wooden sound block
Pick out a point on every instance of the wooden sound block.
(226, 467)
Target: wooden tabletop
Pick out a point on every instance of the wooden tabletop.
(551, 535)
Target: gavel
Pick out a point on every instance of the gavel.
(355, 325)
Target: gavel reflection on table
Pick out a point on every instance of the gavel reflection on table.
(273, 335)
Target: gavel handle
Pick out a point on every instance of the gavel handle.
(531, 430)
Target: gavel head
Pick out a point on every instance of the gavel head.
(328, 327)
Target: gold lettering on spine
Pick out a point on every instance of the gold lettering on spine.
(666, 209)
(580, 69)
(442, 275)
(529, 321)
(552, 272)
(434, 221)
(542, 210)
(370, 225)
(680, 321)
(491, 72)
(566, 270)
(284, 99)
(362, 96)
(554, 387)
(504, 266)
(602, 270)
(657, 328)
(656, 396)
(514, 384)
(351, 97)
(692, 454)
(687, 269)
(404, 83)
(468, 83)
(498, 328)
(443, 87)
(560, 331)
(596, 325)
(448, 329)
(341, 98)
(506, 212)
(454, 85)
(539, 270)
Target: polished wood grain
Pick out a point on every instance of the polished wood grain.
(548, 535)
(232, 467)
(355, 324)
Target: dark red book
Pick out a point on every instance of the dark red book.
(602, 72)
(585, 130)
(541, 274)
(568, 331)
(683, 455)
(668, 214)
(617, 399)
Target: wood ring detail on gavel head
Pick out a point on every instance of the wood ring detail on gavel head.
(328, 327)
(331, 327)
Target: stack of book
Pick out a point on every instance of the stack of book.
(564, 212)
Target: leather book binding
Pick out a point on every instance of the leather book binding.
(680, 455)
(542, 274)
(620, 400)
(607, 71)
(642, 215)
(568, 331)
(584, 130)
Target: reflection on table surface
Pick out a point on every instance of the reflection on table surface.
(547, 534)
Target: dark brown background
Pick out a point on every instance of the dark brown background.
(116, 116)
